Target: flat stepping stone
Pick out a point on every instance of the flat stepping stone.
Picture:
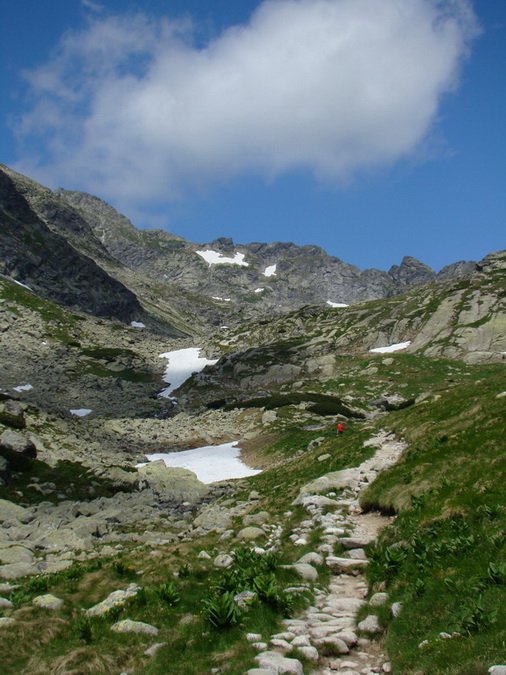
(277, 663)
(339, 565)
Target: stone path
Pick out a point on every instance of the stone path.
(327, 633)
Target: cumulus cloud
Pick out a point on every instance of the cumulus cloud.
(134, 109)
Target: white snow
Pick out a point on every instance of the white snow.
(137, 324)
(216, 258)
(182, 363)
(20, 284)
(336, 304)
(259, 290)
(23, 387)
(216, 297)
(210, 463)
(270, 271)
(391, 348)
(81, 412)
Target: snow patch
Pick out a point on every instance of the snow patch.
(20, 284)
(259, 290)
(336, 304)
(216, 297)
(81, 412)
(210, 463)
(216, 258)
(391, 348)
(137, 324)
(270, 271)
(182, 363)
(23, 387)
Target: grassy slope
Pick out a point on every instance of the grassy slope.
(450, 565)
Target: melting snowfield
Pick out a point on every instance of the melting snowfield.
(391, 348)
(211, 463)
(182, 363)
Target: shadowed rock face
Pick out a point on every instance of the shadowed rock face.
(44, 260)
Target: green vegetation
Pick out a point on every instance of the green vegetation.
(66, 480)
(444, 557)
(320, 404)
(60, 323)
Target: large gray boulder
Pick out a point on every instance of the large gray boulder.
(12, 414)
(114, 599)
(11, 511)
(171, 483)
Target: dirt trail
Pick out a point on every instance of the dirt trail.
(329, 626)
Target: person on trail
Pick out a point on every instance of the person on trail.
(340, 428)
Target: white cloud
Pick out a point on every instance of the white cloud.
(131, 109)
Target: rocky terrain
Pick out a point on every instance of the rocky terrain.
(344, 554)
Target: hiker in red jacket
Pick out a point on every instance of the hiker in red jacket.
(340, 428)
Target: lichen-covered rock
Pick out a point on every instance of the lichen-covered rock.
(48, 601)
(336, 480)
(15, 554)
(17, 570)
(370, 624)
(223, 560)
(114, 599)
(213, 517)
(129, 626)
(12, 414)
(249, 533)
(16, 442)
(256, 518)
(173, 483)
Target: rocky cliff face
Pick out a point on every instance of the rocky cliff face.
(43, 259)
(247, 279)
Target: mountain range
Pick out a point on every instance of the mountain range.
(379, 549)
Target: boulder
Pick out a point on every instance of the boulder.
(306, 571)
(17, 570)
(256, 518)
(129, 626)
(15, 554)
(114, 599)
(335, 480)
(11, 511)
(171, 483)
(370, 624)
(47, 601)
(213, 517)
(12, 414)
(63, 539)
(16, 442)
(223, 560)
(249, 533)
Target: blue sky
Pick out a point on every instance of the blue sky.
(372, 128)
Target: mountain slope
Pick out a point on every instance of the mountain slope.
(48, 263)
(457, 319)
(254, 278)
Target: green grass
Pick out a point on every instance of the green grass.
(448, 492)
(68, 480)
